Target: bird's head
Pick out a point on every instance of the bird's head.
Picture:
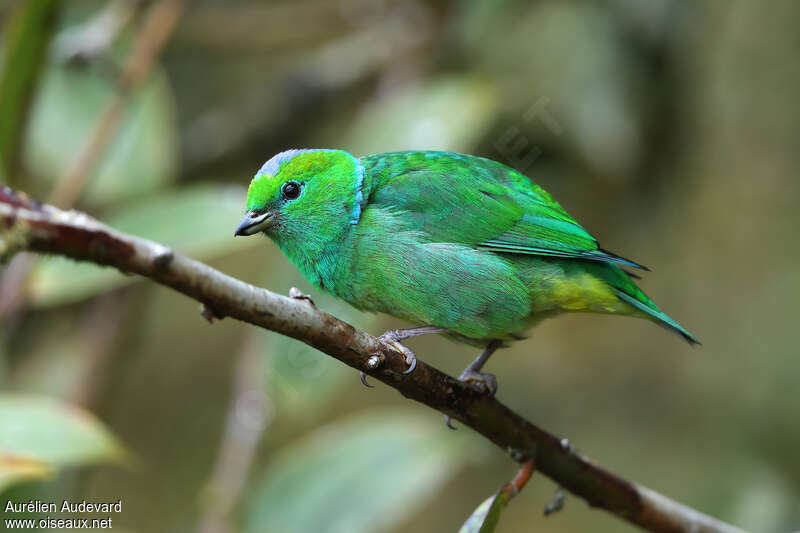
(300, 194)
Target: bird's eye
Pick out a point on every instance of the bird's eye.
(291, 190)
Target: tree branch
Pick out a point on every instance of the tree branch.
(26, 225)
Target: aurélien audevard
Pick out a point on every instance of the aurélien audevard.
(83, 506)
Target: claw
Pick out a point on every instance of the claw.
(449, 422)
(412, 365)
(364, 381)
(390, 339)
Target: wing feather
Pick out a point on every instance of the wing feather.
(481, 203)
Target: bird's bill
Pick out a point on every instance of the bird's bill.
(253, 223)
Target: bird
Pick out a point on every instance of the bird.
(455, 244)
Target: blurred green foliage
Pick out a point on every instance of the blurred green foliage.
(668, 128)
(170, 219)
(487, 516)
(26, 39)
(144, 156)
(367, 473)
(40, 435)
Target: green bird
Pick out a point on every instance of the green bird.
(457, 244)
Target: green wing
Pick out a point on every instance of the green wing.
(478, 202)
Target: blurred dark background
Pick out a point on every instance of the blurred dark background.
(670, 129)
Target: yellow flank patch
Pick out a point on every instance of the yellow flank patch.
(585, 292)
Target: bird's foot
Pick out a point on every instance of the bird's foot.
(392, 338)
(480, 382)
(472, 375)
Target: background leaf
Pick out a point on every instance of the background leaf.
(143, 156)
(443, 114)
(364, 474)
(41, 435)
(486, 516)
(14, 469)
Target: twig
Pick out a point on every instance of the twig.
(99, 334)
(28, 226)
(92, 40)
(151, 38)
(522, 477)
(249, 415)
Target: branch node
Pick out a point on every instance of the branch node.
(14, 238)
(517, 454)
(163, 258)
(297, 294)
(210, 314)
(567, 446)
(374, 362)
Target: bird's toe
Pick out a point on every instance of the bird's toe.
(482, 383)
(408, 354)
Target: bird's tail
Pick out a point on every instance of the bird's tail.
(651, 309)
(627, 291)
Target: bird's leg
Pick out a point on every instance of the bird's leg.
(400, 334)
(393, 338)
(472, 374)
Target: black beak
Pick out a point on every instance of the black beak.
(253, 223)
